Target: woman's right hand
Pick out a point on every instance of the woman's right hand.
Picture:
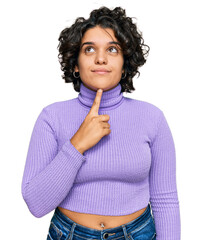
(93, 128)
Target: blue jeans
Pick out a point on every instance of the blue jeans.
(63, 228)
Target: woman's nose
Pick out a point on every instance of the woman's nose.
(101, 58)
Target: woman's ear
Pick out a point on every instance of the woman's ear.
(76, 69)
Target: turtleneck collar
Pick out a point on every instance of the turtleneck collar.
(110, 99)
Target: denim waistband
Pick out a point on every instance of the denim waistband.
(123, 229)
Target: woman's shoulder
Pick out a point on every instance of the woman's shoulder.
(144, 106)
(148, 113)
(60, 105)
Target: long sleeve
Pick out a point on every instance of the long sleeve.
(162, 182)
(49, 174)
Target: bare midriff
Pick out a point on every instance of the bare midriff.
(94, 221)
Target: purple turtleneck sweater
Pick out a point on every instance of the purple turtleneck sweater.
(134, 165)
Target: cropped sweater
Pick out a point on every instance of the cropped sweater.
(134, 165)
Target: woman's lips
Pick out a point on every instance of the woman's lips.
(101, 72)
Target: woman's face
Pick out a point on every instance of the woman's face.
(100, 60)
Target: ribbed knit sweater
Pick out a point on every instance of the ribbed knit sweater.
(134, 165)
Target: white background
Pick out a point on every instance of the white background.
(30, 79)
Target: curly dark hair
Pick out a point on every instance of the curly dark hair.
(125, 31)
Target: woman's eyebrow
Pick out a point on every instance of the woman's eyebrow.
(92, 43)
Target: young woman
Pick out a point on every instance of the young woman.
(106, 163)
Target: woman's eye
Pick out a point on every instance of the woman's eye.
(115, 49)
(88, 48)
